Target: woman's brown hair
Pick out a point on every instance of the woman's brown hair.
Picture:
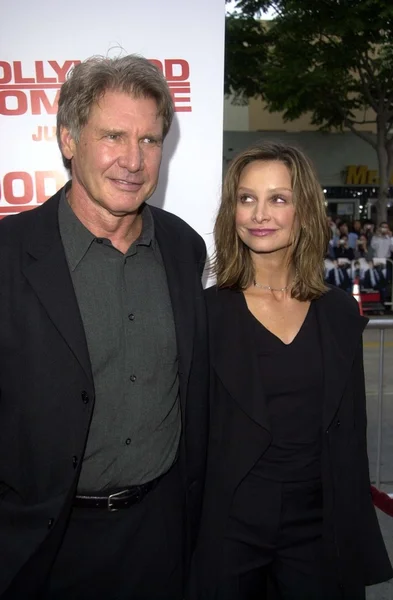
(233, 264)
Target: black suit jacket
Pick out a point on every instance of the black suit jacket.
(380, 280)
(239, 434)
(345, 283)
(47, 389)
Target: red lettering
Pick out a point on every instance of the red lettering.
(61, 72)
(21, 98)
(18, 77)
(7, 72)
(8, 185)
(170, 68)
(44, 133)
(40, 181)
(175, 89)
(39, 97)
(157, 63)
(39, 185)
(39, 72)
(175, 69)
(37, 137)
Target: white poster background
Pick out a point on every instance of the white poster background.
(34, 33)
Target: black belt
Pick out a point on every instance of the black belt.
(117, 500)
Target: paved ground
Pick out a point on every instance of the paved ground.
(371, 356)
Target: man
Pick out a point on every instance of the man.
(103, 372)
(352, 235)
(375, 279)
(334, 243)
(381, 242)
(342, 249)
(338, 276)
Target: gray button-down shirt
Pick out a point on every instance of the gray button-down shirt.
(382, 245)
(127, 315)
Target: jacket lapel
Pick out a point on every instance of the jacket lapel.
(45, 267)
(234, 355)
(181, 277)
(340, 329)
(235, 359)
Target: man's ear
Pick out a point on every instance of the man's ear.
(67, 143)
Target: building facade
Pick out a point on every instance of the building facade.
(346, 165)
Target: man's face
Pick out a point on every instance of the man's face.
(357, 225)
(384, 228)
(115, 164)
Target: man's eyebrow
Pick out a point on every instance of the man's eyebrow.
(110, 130)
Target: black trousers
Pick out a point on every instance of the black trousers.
(273, 547)
(132, 554)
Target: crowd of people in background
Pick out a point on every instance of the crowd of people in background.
(361, 253)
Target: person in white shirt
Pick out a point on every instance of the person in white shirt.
(381, 242)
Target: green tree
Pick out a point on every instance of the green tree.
(330, 58)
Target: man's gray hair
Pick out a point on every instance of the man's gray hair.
(89, 80)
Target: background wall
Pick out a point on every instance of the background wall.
(39, 43)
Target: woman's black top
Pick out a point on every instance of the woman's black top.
(292, 380)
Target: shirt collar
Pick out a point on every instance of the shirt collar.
(77, 239)
(146, 237)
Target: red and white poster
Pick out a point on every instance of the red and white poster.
(41, 41)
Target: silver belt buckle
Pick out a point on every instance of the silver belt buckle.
(110, 498)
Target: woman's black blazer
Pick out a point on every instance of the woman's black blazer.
(240, 434)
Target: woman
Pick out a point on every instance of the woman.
(342, 249)
(362, 248)
(287, 501)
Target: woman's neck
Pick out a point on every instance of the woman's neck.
(273, 271)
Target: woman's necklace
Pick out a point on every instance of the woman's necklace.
(272, 289)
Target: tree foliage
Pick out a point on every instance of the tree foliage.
(330, 58)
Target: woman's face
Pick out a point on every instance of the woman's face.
(343, 229)
(265, 213)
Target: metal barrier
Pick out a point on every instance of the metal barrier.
(380, 324)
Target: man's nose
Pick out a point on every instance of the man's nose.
(131, 157)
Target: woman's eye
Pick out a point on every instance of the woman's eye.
(245, 198)
(279, 199)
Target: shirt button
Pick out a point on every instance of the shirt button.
(99, 240)
(132, 378)
(131, 317)
(128, 441)
(50, 523)
(85, 397)
(74, 461)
